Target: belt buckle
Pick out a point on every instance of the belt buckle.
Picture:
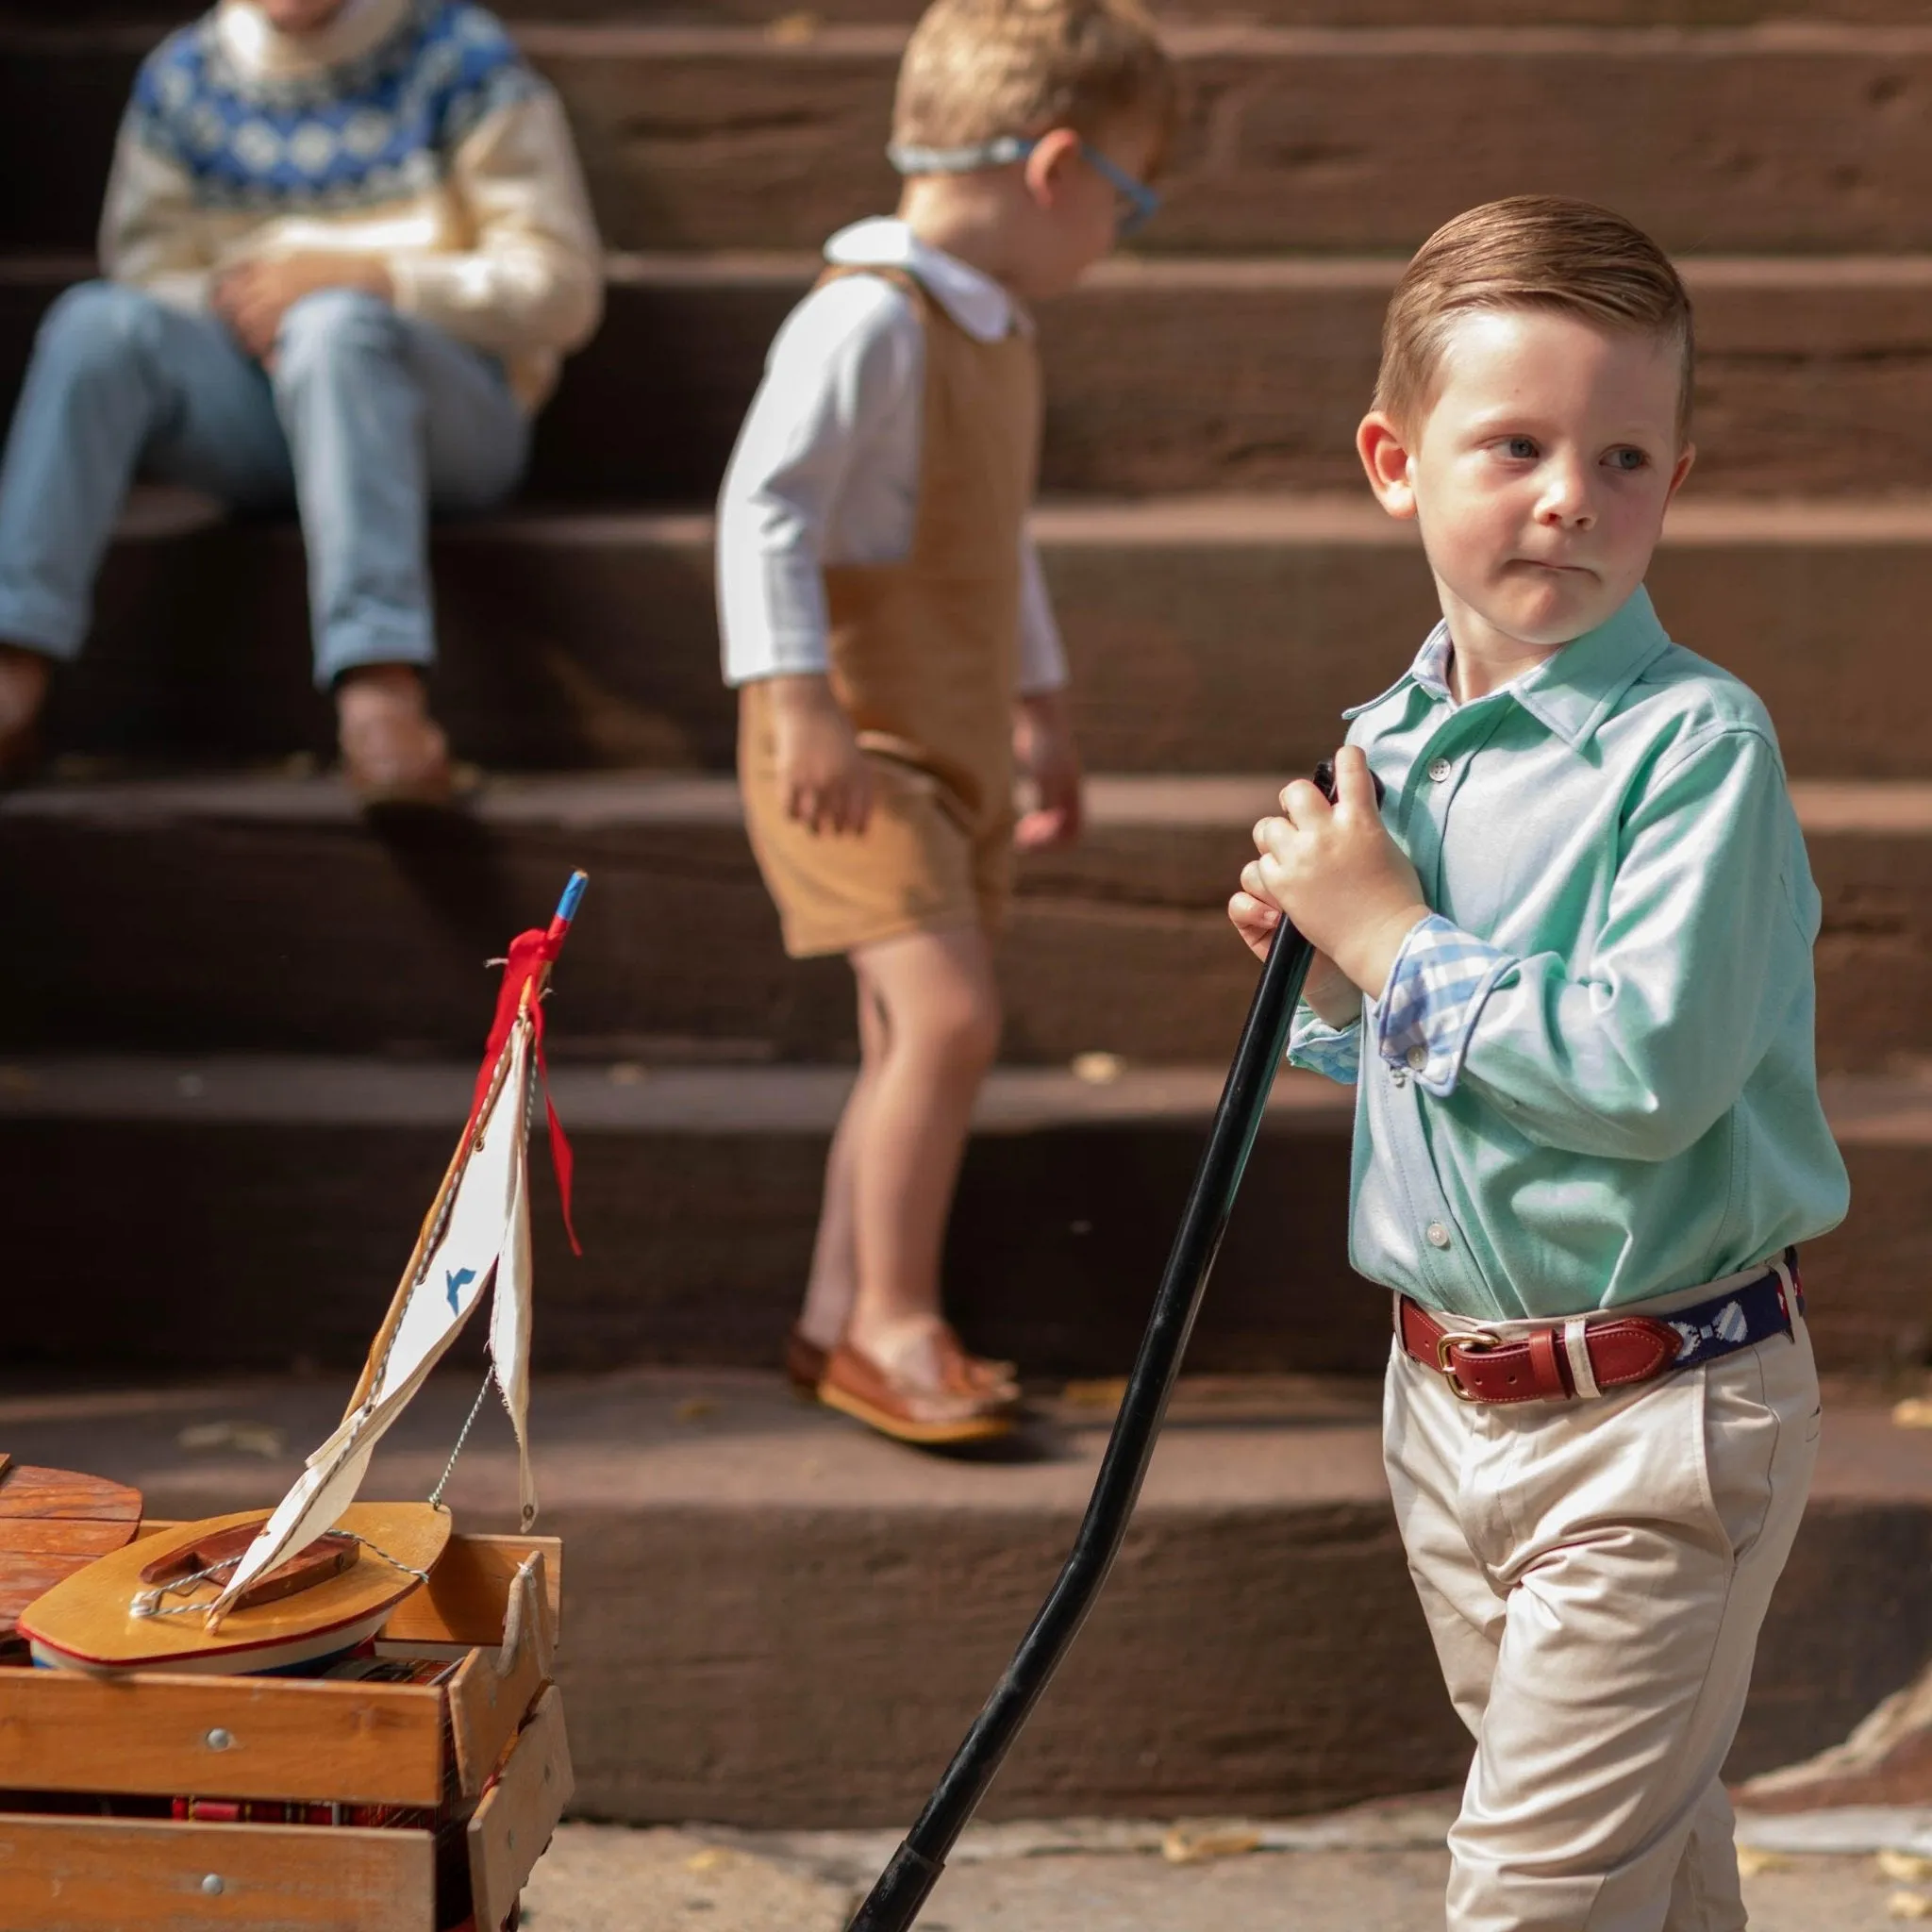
(1477, 1342)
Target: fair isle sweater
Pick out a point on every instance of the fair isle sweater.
(407, 130)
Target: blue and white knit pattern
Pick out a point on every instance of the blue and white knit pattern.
(377, 128)
(1441, 978)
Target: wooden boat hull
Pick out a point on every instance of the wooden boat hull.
(89, 1621)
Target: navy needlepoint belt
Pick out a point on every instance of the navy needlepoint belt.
(1584, 1358)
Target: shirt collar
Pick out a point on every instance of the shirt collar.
(977, 303)
(263, 51)
(1571, 693)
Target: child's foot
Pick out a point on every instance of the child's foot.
(916, 1383)
(22, 690)
(805, 1362)
(393, 752)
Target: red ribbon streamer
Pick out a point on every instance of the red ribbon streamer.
(529, 953)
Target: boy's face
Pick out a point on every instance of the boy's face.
(300, 16)
(1078, 210)
(1542, 472)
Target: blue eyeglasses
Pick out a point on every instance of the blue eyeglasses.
(1140, 203)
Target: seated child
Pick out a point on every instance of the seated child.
(346, 245)
(1572, 977)
(887, 626)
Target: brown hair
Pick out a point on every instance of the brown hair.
(978, 68)
(1533, 251)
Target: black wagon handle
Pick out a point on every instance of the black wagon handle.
(902, 1889)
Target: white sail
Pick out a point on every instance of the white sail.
(485, 1221)
(510, 1327)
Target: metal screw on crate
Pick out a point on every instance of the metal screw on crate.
(213, 1885)
(219, 1739)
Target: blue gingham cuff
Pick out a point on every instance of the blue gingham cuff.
(1334, 1052)
(1436, 989)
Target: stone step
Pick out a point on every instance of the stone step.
(1780, 136)
(184, 1215)
(157, 16)
(679, 950)
(773, 1620)
(1168, 377)
(1206, 634)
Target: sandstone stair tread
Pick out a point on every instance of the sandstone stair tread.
(93, 16)
(1802, 136)
(715, 1661)
(301, 889)
(225, 1090)
(1215, 375)
(680, 1438)
(1206, 632)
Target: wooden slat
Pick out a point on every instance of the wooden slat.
(53, 1522)
(493, 1689)
(288, 1738)
(468, 1595)
(512, 1824)
(95, 1874)
(25, 1576)
(57, 1535)
(25, 1490)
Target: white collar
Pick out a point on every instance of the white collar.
(263, 52)
(977, 303)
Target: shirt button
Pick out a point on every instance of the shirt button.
(1437, 1234)
(1418, 1057)
(1440, 769)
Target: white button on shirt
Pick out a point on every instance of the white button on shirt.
(1439, 1235)
(826, 467)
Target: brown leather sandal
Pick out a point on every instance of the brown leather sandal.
(955, 1409)
(989, 1377)
(805, 1362)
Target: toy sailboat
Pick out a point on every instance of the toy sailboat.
(322, 1572)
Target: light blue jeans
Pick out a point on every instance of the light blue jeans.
(368, 421)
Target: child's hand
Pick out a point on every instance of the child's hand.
(254, 296)
(1338, 875)
(1327, 988)
(1044, 752)
(822, 775)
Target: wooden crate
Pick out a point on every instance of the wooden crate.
(81, 1757)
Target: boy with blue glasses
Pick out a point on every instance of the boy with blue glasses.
(887, 626)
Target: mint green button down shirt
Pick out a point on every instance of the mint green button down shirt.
(1618, 1096)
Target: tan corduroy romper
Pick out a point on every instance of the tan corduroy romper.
(925, 657)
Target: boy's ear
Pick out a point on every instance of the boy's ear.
(1046, 168)
(1385, 456)
(1685, 460)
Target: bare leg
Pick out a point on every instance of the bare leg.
(834, 1277)
(939, 1006)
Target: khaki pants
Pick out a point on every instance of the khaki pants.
(1594, 1574)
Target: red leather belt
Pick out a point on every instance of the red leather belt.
(1579, 1358)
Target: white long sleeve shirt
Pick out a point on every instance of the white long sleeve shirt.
(826, 467)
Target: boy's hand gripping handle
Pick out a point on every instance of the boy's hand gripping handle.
(903, 1887)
